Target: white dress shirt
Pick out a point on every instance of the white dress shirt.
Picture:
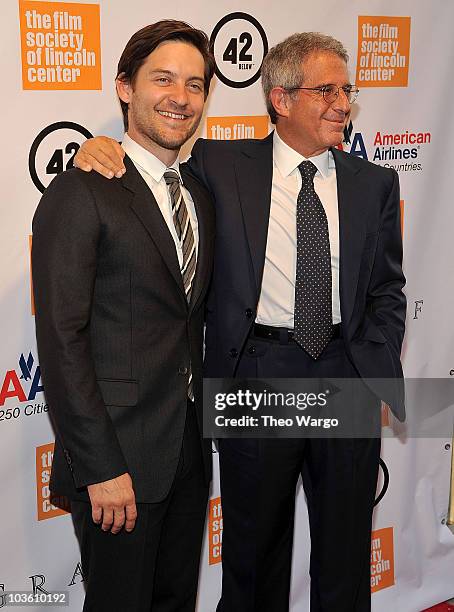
(152, 171)
(277, 296)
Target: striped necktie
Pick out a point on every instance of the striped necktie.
(186, 238)
(183, 228)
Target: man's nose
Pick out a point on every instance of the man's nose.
(179, 95)
(341, 103)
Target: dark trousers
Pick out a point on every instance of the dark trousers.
(155, 567)
(258, 485)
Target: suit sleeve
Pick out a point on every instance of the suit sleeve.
(387, 302)
(66, 235)
(196, 163)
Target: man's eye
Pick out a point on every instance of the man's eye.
(327, 89)
(163, 80)
(195, 86)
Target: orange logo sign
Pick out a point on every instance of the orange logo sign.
(383, 51)
(60, 44)
(382, 559)
(47, 505)
(215, 531)
(384, 415)
(235, 128)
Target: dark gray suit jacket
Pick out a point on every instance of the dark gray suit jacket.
(115, 333)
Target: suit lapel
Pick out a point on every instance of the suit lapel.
(351, 230)
(254, 172)
(206, 234)
(144, 205)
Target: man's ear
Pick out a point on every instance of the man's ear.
(124, 89)
(280, 99)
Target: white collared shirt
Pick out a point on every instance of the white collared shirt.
(152, 171)
(277, 296)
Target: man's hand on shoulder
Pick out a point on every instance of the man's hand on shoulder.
(103, 154)
(113, 503)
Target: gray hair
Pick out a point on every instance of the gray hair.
(282, 65)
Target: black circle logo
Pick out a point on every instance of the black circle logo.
(239, 44)
(385, 483)
(53, 151)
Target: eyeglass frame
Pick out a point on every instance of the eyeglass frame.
(322, 89)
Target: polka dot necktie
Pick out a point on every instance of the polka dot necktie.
(313, 320)
(186, 237)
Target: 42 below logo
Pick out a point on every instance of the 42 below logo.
(24, 383)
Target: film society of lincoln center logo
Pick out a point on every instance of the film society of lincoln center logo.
(47, 505)
(239, 45)
(383, 51)
(53, 151)
(382, 559)
(60, 45)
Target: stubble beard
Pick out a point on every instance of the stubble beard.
(162, 137)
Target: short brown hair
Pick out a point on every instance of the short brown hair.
(145, 41)
(282, 65)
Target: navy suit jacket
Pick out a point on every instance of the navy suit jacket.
(239, 176)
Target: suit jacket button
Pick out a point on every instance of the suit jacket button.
(233, 352)
(249, 312)
(251, 350)
(182, 370)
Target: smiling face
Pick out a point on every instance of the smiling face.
(165, 100)
(310, 125)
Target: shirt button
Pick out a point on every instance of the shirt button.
(233, 352)
(182, 370)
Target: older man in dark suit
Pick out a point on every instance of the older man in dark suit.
(120, 274)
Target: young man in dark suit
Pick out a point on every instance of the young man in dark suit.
(120, 273)
(307, 283)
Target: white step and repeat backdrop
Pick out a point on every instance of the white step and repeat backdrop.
(58, 67)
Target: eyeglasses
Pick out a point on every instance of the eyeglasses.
(330, 92)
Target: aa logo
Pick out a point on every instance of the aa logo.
(234, 128)
(47, 505)
(215, 531)
(24, 383)
(382, 559)
(239, 44)
(383, 51)
(60, 44)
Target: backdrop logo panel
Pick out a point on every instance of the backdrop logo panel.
(53, 151)
(399, 150)
(239, 45)
(60, 43)
(382, 559)
(47, 505)
(215, 527)
(22, 385)
(383, 51)
(233, 128)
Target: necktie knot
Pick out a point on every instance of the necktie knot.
(171, 176)
(308, 170)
